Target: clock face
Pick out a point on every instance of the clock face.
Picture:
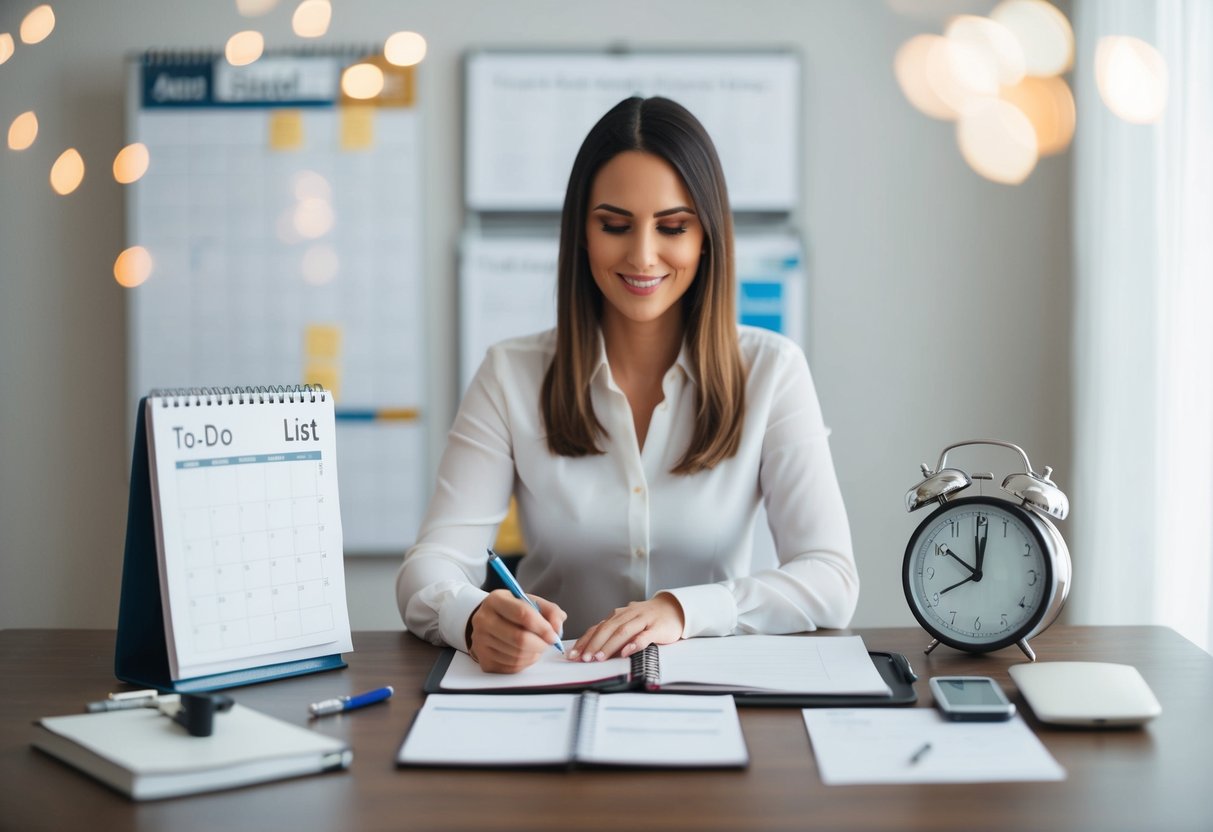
(977, 574)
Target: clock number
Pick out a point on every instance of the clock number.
(930, 573)
(1004, 621)
(1027, 549)
(1032, 582)
(977, 623)
(955, 528)
(1004, 528)
(952, 621)
(1023, 605)
(935, 600)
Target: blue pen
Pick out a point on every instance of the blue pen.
(512, 585)
(348, 703)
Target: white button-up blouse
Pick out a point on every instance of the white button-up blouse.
(604, 530)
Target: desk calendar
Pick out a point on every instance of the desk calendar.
(234, 565)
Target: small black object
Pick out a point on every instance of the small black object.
(197, 712)
(903, 664)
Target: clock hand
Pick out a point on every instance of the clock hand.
(958, 583)
(943, 548)
(979, 541)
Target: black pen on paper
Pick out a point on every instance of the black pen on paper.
(920, 753)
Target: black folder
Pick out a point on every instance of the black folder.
(894, 668)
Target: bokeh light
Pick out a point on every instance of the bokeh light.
(243, 48)
(132, 267)
(131, 163)
(997, 141)
(1049, 105)
(1043, 32)
(255, 8)
(38, 24)
(6, 46)
(311, 18)
(68, 172)
(362, 81)
(992, 52)
(404, 48)
(313, 218)
(1132, 78)
(311, 185)
(911, 66)
(23, 131)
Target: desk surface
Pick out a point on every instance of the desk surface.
(1153, 778)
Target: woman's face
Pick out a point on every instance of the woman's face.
(643, 237)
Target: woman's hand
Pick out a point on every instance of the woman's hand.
(658, 620)
(506, 635)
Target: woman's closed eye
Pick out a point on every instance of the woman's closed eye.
(668, 230)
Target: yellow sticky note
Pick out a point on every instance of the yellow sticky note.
(286, 129)
(323, 375)
(322, 341)
(509, 533)
(357, 126)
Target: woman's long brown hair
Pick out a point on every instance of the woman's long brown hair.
(667, 130)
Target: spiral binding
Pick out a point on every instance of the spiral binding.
(218, 396)
(204, 55)
(646, 666)
(584, 724)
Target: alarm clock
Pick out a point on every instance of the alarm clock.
(982, 573)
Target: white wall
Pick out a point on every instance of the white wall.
(939, 302)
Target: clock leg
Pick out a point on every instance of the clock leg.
(1027, 651)
(934, 643)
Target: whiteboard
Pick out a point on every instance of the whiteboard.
(284, 225)
(507, 287)
(527, 114)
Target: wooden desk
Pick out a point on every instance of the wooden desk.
(1156, 778)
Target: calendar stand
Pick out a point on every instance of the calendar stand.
(141, 654)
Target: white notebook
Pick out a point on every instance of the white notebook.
(556, 729)
(146, 756)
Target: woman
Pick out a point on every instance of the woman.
(639, 436)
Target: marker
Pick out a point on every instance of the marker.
(512, 585)
(920, 753)
(348, 703)
(125, 701)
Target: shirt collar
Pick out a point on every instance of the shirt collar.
(682, 362)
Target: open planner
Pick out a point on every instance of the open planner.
(569, 729)
(233, 570)
(757, 669)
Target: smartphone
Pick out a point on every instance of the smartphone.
(971, 699)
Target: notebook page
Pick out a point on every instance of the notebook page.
(793, 664)
(550, 671)
(480, 730)
(676, 730)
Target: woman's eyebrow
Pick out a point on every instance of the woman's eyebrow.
(606, 206)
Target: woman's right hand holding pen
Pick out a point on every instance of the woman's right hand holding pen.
(506, 635)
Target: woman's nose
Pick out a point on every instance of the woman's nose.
(643, 253)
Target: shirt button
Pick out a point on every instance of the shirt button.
(639, 552)
(638, 490)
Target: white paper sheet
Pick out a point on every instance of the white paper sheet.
(796, 664)
(879, 745)
(551, 670)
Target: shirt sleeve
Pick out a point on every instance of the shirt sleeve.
(438, 585)
(816, 583)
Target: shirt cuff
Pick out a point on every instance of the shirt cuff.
(454, 614)
(707, 610)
